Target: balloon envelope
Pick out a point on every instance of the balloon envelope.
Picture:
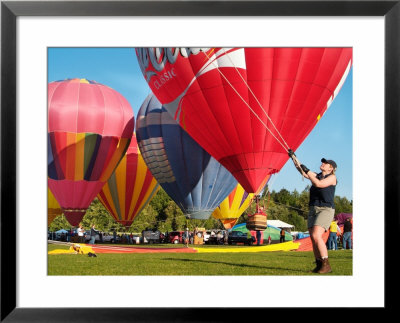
(234, 205)
(189, 175)
(130, 188)
(89, 129)
(226, 98)
(229, 211)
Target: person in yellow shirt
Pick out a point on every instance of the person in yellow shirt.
(333, 231)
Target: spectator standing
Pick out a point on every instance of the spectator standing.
(332, 240)
(282, 237)
(338, 236)
(258, 237)
(347, 229)
(80, 233)
(93, 233)
(187, 237)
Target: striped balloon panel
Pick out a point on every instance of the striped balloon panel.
(83, 156)
(234, 204)
(229, 223)
(130, 188)
(157, 159)
(53, 207)
(189, 175)
(52, 203)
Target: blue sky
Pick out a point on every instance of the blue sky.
(118, 68)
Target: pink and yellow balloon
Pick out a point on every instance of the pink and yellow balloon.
(90, 127)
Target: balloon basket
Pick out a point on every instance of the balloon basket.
(257, 222)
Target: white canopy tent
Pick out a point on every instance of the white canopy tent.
(280, 224)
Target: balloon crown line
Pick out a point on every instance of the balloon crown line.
(82, 81)
(79, 80)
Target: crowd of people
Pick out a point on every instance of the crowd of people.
(337, 237)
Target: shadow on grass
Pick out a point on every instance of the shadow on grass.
(233, 264)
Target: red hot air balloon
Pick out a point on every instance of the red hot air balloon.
(89, 130)
(130, 188)
(246, 106)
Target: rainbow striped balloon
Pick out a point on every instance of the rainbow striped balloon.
(90, 128)
(130, 188)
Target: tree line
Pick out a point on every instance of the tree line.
(163, 214)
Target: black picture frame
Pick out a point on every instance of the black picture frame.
(10, 10)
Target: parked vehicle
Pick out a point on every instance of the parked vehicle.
(151, 236)
(87, 237)
(105, 237)
(176, 237)
(109, 238)
(217, 237)
(240, 237)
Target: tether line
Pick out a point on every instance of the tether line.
(283, 144)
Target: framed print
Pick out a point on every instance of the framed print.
(30, 28)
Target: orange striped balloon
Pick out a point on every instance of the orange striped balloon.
(130, 188)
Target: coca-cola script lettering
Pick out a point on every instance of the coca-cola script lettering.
(164, 78)
(158, 57)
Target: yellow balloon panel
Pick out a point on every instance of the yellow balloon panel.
(234, 205)
(53, 207)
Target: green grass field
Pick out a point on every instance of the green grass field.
(205, 264)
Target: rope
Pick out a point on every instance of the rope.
(290, 207)
(286, 148)
(258, 102)
(297, 164)
(283, 143)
